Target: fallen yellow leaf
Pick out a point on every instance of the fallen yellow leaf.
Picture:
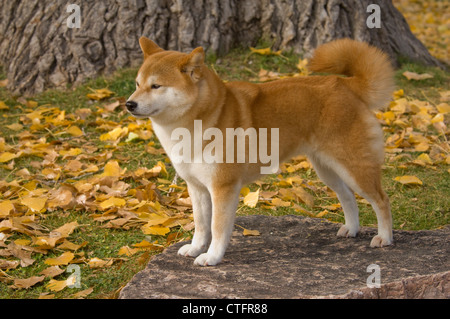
(115, 134)
(128, 251)
(36, 204)
(322, 213)
(22, 242)
(425, 158)
(155, 220)
(5, 224)
(56, 285)
(144, 244)
(61, 197)
(100, 94)
(248, 232)
(304, 196)
(251, 199)
(399, 106)
(155, 230)
(64, 259)
(75, 131)
(443, 108)
(302, 67)
(163, 168)
(83, 293)
(6, 207)
(51, 272)
(71, 152)
(65, 230)
(422, 147)
(6, 157)
(112, 202)
(445, 96)
(28, 282)
(131, 137)
(416, 76)
(408, 180)
(15, 127)
(31, 104)
(280, 203)
(100, 263)
(332, 207)
(389, 116)
(398, 94)
(266, 51)
(112, 168)
(45, 242)
(3, 106)
(438, 118)
(67, 245)
(244, 191)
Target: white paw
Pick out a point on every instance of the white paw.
(190, 251)
(346, 231)
(378, 241)
(207, 260)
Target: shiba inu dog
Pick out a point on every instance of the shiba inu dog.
(328, 118)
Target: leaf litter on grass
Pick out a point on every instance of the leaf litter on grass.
(430, 23)
(70, 167)
(51, 165)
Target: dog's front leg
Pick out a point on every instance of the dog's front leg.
(224, 200)
(201, 204)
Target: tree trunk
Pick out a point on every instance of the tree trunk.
(39, 50)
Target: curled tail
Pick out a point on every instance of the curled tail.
(370, 72)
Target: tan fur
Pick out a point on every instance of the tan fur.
(370, 71)
(328, 118)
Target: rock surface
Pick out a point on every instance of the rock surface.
(299, 257)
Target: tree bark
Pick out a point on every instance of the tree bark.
(40, 51)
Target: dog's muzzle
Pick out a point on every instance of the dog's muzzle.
(131, 106)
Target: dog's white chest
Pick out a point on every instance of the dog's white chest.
(195, 172)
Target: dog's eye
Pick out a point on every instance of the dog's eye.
(155, 86)
(137, 84)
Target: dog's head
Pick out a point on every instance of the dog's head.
(167, 82)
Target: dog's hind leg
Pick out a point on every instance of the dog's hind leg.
(369, 184)
(364, 178)
(345, 195)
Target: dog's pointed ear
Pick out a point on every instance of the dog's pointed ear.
(148, 47)
(193, 64)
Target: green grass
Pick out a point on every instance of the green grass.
(414, 207)
(427, 89)
(102, 243)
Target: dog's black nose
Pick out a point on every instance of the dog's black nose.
(131, 106)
